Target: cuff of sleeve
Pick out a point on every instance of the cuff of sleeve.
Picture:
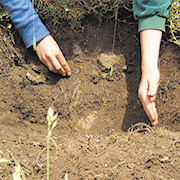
(152, 22)
(40, 31)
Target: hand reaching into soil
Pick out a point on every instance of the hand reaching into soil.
(147, 93)
(150, 44)
(49, 54)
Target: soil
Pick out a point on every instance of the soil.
(102, 130)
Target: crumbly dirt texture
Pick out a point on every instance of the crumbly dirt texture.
(102, 130)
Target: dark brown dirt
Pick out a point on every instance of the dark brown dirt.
(95, 109)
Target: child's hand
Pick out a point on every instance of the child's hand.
(49, 54)
(147, 93)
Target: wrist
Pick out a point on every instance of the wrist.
(149, 68)
(149, 64)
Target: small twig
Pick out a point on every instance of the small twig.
(26, 168)
(16, 163)
(174, 37)
(107, 116)
(174, 144)
(140, 127)
(63, 93)
(103, 169)
(76, 165)
(52, 139)
(130, 10)
(70, 106)
(13, 158)
(115, 27)
(40, 166)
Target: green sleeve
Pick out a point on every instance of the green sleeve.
(151, 14)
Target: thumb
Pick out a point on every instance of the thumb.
(153, 87)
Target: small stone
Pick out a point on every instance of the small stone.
(107, 60)
(31, 155)
(124, 68)
(164, 159)
(36, 79)
(87, 122)
(77, 50)
(104, 75)
(131, 166)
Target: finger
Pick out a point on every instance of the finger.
(57, 66)
(152, 90)
(151, 112)
(152, 98)
(64, 64)
(50, 66)
(154, 122)
(148, 106)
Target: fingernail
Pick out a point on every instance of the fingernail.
(68, 73)
(150, 93)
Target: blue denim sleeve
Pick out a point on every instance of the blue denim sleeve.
(26, 20)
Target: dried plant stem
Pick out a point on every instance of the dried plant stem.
(115, 27)
(51, 125)
(48, 154)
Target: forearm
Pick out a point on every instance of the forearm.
(150, 45)
(25, 19)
